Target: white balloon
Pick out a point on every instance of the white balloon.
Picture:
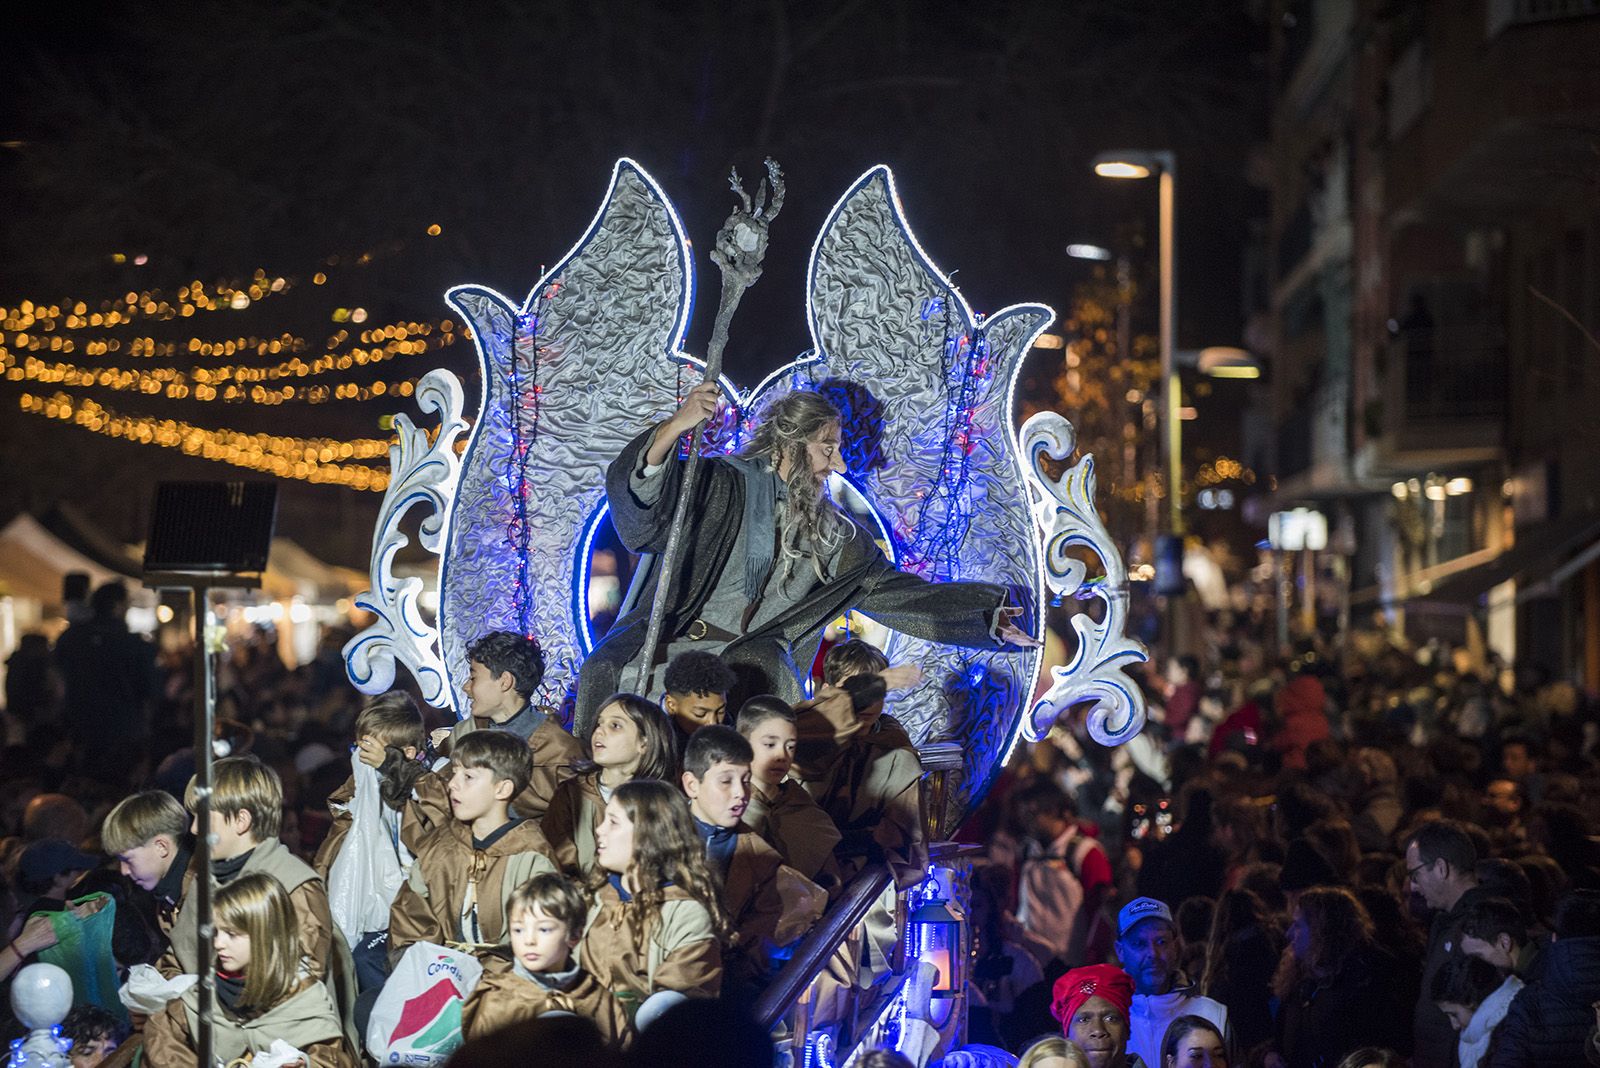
(41, 996)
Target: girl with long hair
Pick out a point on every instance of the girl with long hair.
(1241, 955)
(264, 991)
(632, 739)
(1337, 988)
(657, 923)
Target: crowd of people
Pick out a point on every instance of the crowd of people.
(1315, 859)
(1359, 856)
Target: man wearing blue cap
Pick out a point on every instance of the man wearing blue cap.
(1150, 951)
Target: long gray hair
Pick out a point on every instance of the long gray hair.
(809, 527)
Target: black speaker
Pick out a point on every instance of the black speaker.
(214, 527)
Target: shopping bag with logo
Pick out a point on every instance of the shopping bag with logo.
(417, 1018)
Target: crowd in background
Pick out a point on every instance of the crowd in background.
(1365, 853)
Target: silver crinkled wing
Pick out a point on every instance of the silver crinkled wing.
(953, 489)
(570, 376)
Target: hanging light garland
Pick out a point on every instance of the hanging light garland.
(320, 460)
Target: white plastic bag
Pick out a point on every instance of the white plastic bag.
(417, 1019)
(277, 1055)
(147, 993)
(366, 875)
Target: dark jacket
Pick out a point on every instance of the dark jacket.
(1322, 1021)
(1435, 1038)
(1550, 1021)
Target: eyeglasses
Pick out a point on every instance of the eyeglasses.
(1411, 873)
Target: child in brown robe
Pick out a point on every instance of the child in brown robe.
(780, 810)
(543, 975)
(656, 923)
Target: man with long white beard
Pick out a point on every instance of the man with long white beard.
(769, 560)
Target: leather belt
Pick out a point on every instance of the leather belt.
(701, 631)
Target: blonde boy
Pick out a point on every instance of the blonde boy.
(148, 833)
(462, 881)
(246, 811)
(547, 915)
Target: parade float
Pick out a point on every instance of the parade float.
(509, 494)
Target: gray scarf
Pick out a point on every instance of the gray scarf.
(762, 492)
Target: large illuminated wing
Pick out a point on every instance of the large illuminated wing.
(953, 490)
(569, 377)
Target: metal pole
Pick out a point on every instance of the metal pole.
(204, 711)
(1171, 386)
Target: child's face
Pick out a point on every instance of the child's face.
(231, 834)
(616, 742)
(613, 842)
(488, 693)
(773, 740)
(233, 950)
(540, 942)
(89, 1052)
(691, 711)
(1460, 1015)
(147, 863)
(722, 796)
(474, 792)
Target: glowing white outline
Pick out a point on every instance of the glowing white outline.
(816, 355)
(674, 350)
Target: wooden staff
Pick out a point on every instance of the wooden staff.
(740, 248)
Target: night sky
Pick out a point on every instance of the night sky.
(217, 139)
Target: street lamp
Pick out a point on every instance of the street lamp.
(1222, 361)
(1142, 163)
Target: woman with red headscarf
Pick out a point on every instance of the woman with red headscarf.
(1092, 1004)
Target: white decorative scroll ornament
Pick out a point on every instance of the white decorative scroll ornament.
(423, 472)
(1064, 510)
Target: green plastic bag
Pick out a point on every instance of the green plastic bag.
(83, 950)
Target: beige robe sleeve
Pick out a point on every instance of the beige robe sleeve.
(339, 809)
(332, 1054)
(555, 752)
(684, 954)
(425, 813)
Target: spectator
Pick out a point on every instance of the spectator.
(1302, 720)
(1335, 984)
(1442, 866)
(109, 674)
(1550, 1020)
(1193, 1042)
(1053, 1052)
(1065, 879)
(1241, 955)
(1092, 1004)
(1475, 997)
(1150, 951)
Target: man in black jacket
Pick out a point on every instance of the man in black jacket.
(1441, 864)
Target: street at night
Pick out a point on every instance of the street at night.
(830, 535)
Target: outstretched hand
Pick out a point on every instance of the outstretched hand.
(901, 676)
(1012, 634)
